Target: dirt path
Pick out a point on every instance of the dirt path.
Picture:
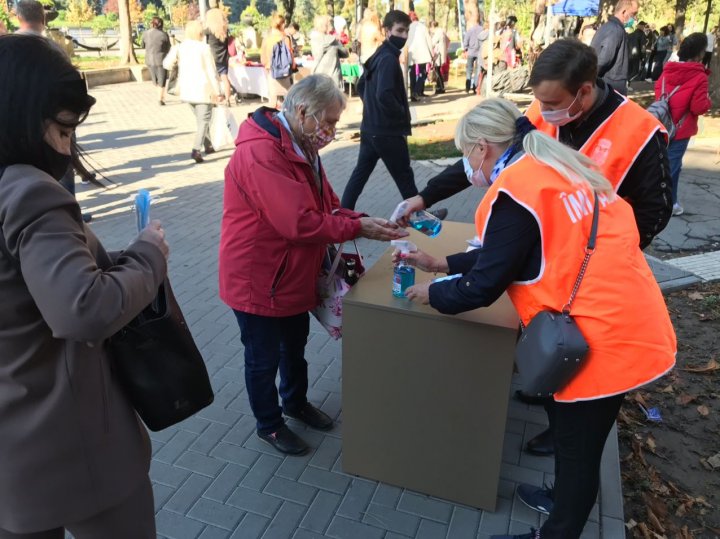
(671, 469)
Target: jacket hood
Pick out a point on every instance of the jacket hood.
(259, 125)
(681, 72)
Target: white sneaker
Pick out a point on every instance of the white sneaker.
(677, 209)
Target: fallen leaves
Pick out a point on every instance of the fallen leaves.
(703, 410)
(711, 366)
(696, 296)
(685, 399)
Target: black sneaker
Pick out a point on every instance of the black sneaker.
(312, 417)
(440, 213)
(285, 441)
(87, 217)
(534, 534)
(538, 498)
(542, 445)
(530, 399)
(196, 156)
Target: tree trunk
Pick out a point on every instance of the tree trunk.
(680, 10)
(127, 53)
(714, 82)
(431, 10)
(471, 13)
(289, 8)
(330, 4)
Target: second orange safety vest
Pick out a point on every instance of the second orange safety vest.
(616, 143)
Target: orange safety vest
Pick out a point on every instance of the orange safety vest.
(619, 307)
(616, 143)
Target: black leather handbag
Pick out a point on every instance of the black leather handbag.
(158, 364)
(551, 349)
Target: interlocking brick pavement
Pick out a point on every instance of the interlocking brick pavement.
(212, 477)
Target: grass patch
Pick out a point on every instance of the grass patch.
(85, 63)
(432, 149)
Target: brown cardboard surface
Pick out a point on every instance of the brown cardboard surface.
(424, 394)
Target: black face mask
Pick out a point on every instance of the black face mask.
(397, 41)
(53, 162)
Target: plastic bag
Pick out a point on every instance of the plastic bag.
(222, 126)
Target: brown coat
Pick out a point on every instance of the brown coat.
(70, 444)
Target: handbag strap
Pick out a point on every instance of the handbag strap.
(589, 250)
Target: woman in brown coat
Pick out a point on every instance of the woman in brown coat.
(73, 454)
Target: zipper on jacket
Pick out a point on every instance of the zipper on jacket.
(279, 274)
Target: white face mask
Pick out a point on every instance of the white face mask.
(475, 177)
(562, 116)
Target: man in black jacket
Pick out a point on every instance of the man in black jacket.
(386, 115)
(610, 44)
(646, 185)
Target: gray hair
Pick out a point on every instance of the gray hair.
(316, 93)
(31, 11)
(494, 121)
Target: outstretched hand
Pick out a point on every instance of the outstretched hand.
(376, 228)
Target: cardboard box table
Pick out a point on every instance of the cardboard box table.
(425, 395)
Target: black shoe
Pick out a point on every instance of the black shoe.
(87, 178)
(312, 417)
(530, 399)
(542, 445)
(162, 103)
(438, 92)
(538, 498)
(440, 213)
(209, 149)
(285, 441)
(197, 156)
(86, 217)
(414, 98)
(534, 534)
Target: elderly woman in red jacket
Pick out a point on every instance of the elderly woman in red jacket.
(690, 101)
(279, 215)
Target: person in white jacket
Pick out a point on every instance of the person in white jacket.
(419, 55)
(197, 82)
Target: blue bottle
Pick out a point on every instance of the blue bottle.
(426, 223)
(403, 274)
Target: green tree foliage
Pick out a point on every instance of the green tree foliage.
(79, 12)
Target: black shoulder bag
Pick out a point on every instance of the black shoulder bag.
(159, 365)
(551, 349)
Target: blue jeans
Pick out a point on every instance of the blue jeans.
(470, 68)
(272, 343)
(676, 151)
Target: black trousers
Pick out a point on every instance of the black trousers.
(579, 432)
(393, 150)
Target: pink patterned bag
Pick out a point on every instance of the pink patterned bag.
(332, 285)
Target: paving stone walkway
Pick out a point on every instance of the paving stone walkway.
(212, 477)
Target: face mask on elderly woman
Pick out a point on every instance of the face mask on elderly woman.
(321, 136)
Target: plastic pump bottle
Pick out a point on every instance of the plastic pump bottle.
(403, 274)
(422, 221)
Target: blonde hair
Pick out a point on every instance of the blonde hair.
(217, 23)
(321, 23)
(494, 120)
(194, 30)
(277, 21)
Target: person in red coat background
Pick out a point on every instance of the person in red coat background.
(689, 102)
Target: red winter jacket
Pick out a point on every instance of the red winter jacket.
(275, 229)
(692, 97)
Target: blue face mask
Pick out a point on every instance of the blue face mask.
(630, 22)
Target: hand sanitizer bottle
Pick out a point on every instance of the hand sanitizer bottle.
(421, 220)
(403, 274)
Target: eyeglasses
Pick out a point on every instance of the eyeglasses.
(72, 125)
